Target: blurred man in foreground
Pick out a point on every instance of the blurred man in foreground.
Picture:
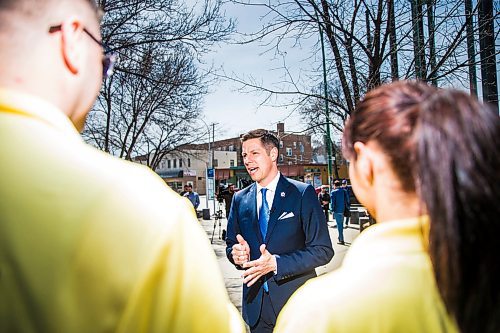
(88, 242)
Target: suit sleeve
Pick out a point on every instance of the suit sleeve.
(233, 229)
(318, 248)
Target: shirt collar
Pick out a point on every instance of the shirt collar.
(19, 103)
(272, 185)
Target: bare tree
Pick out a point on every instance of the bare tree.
(370, 42)
(152, 103)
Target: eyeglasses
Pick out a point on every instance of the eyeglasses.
(109, 58)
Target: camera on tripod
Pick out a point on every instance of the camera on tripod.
(221, 193)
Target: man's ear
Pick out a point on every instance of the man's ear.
(274, 154)
(71, 46)
(364, 164)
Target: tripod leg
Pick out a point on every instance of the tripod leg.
(213, 231)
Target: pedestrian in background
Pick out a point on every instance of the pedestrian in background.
(424, 162)
(347, 210)
(88, 242)
(324, 200)
(340, 200)
(192, 196)
(185, 190)
(228, 198)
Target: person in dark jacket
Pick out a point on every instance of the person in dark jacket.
(339, 199)
(324, 200)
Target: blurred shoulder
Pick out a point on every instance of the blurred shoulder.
(242, 193)
(300, 186)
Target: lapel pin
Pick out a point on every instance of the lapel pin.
(282, 194)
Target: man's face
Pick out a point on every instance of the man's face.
(231, 188)
(259, 164)
(190, 189)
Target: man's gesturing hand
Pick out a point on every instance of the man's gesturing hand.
(241, 251)
(260, 267)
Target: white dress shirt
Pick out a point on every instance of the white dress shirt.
(271, 190)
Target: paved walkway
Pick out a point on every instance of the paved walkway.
(232, 276)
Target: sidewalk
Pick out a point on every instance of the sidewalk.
(232, 276)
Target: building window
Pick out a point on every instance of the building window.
(175, 163)
(168, 164)
(231, 163)
(294, 145)
(281, 158)
(189, 162)
(300, 157)
(180, 163)
(289, 152)
(281, 144)
(216, 163)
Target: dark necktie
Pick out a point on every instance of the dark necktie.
(264, 221)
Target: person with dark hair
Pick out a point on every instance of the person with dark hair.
(185, 190)
(324, 200)
(227, 197)
(88, 242)
(192, 196)
(424, 162)
(340, 200)
(347, 210)
(276, 232)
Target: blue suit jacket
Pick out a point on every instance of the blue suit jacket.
(302, 241)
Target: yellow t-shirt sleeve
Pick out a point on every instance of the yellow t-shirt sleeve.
(183, 290)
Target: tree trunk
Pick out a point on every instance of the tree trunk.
(418, 39)
(471, 49)
(338, 58)
(431, 4)
(488, 57)
(393, 42)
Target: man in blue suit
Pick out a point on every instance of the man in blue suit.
(276, 232)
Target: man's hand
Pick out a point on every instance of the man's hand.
(260, 267)
(240, 251)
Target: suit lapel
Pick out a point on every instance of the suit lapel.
(252, 203)
(277, 207)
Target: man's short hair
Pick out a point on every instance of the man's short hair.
(336, 183)
(268, 139)
(14, 11)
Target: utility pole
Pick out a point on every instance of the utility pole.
(327, 110)
(208, 163)
(212, 162)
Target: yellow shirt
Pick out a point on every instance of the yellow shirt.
(385, 284)
(91, 243)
